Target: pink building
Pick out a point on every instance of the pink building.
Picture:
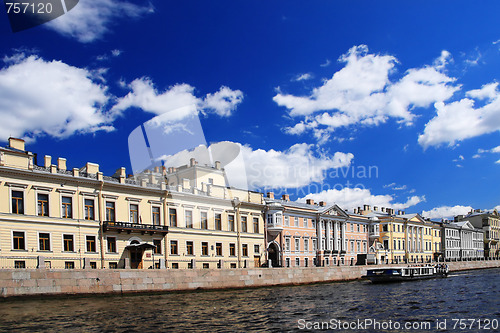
(309, 234)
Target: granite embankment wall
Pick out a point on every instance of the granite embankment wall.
(31, 282)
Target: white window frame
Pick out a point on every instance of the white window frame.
(185, 218)
(25, 240)
(68, 195)
(50, 241)
(96, 211)
(96, 247)
(42, 190)
(62, 242)
(20, 188)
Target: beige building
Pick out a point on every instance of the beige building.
(489, 222)
(79, 218)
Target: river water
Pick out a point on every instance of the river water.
(423, 306)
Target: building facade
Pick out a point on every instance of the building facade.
(79, 218)
(462, 241)
(307, 234)
(489, 222)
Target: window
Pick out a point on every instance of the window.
(155, 215)
(287, 244)
(157, 244)
(189, 218)
(204, 220)
(44, 242)
(287, 221)
(295, 221)
(218, 249)
(18, 240)
(206, 265)
(113, 265)
(110, 211)
(173, 247)
(68, 243)
(297, 262)
(306, 245)
(233, 265)
(243, 224)
(256, 249)
(313, 222)
(385, 228)
(244, 250)
(232, 250)
(43, 204)
(175, 265)
(204, 248)
(19, 264)
(17, 202)
(297, 244)
(352, 226)
(315, 244)
(230, 220)
(306, 262)
(67, 211)
(218, 221)
(90, 240)
(256, 225)
(134, 213)
(172, 217)
(189, 248)
(89, 209)
(69, 265)
(358, 246)
(111, 244)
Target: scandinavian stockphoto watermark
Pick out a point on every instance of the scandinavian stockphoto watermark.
(461, 324)
(26, 14)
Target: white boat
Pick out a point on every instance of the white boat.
(397, 274)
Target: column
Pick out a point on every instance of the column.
(336, 235)
(319, 231)
(328, 235)
(342, 237)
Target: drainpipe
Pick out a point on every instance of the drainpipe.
(101, 236)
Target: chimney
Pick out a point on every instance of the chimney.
(270, 195)
(285, 197)
(217, 165)
(170, 169)
(16, 143)
(382, 209)
(402, 212)
(322, 203)
(157, 169)
(366, 207)
(310, 201)
(48, 161)
(192, 162)
(375, 208)
(359, 210)
(61, 163)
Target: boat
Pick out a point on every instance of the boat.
(409, 273)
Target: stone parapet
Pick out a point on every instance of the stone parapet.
(32, 282)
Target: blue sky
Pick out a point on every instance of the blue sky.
(310, 90)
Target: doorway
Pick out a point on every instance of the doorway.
(274, 254)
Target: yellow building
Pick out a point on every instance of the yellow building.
(79, 218)
(403, 237)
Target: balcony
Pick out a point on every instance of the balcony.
(374, 234)
(137, 227)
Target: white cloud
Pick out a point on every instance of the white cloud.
(326, 63)
(395, 187)
(349, 198)
(303, 77)
(224, 101)
(496, 149)
(91, 19)
(446, 211)
(39, 97)
(295, 167)
(462, 120)
(362, 93)
(144, 95)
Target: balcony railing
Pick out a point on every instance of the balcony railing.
(129, 226)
